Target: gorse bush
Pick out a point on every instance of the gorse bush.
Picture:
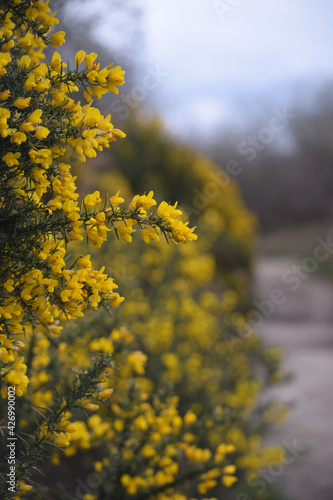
(38, 119)
(187, 310)
(84, 402)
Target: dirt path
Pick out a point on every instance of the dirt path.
(303, 327)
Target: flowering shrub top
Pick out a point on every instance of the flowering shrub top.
(40, 211)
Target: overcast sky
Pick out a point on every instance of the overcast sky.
(219, 58)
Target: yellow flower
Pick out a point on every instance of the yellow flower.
(5, 59)
(24, 488)
(106, 393)
(116, 300)
(167, 211)
(25, 62)
(98, 466)
(41, 132)
(4, 95)
(116, 200)
(228, 481)
(229, 469)
(56, 61)
(90, 58)
(141, 423)
(57, 39)
(125, 229)
(61, 440)
(181, 233)
(206, 486)
(35, 117)
(118, 425)
(41, 85)
(223, 449)
(149, 235)
(190, 418)
(118, 133)
(22, 102)
(91, 200)
(7, 46)
(30, 82)
(115, 77)
(80, 56)
(27, 127)
(11, 159)
(137, 360)
(143, 201)
(9, 283)
(84, 262)
(18, 137)
(148, 451)
(125, 480)
(91, 407)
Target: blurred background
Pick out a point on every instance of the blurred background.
(248, 84)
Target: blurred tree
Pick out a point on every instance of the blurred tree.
(290, 181)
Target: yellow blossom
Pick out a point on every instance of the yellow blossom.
(35, 117)
(4, 95)
(22, 102)
(116, 200)
(80, 57)
(91, 200)
(41, 132)
(57, 39)
(11, 159)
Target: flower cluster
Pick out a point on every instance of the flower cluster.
(143, 443)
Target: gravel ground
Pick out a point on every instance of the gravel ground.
(303, 326)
